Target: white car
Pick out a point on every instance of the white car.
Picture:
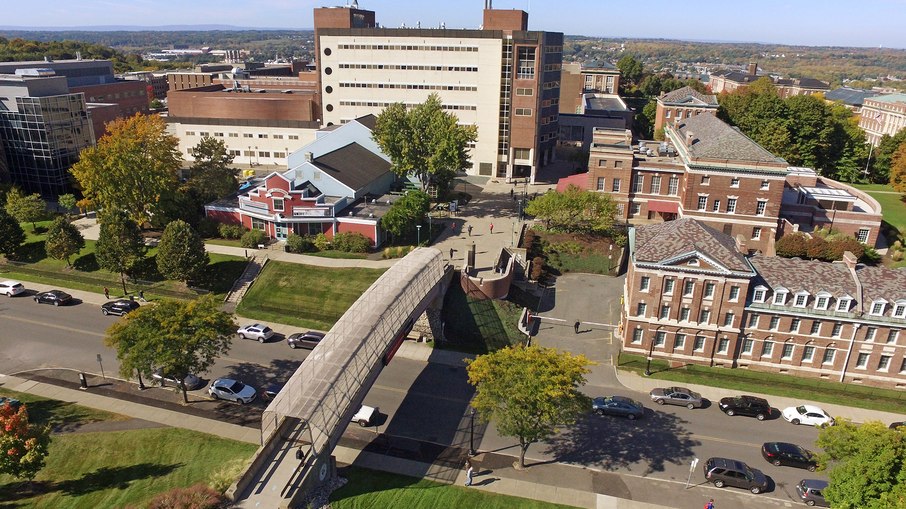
(11, 288)
(232, 390)
(255, 331)
(366, 415)
(807, 414)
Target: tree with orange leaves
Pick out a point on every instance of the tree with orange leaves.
(23, 446)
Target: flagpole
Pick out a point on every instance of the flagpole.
(872, 145)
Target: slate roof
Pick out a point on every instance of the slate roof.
(736, 76)
(714, 139)
(881, 283)
(811, 276)
(849, 96)
(368, 121)
(353, 165)
(890, 98)
(682, 95)
(656, 243)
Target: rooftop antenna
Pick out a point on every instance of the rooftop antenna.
(355, 4)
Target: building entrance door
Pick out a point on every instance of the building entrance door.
(280, 231)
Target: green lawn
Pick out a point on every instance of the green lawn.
(59, 413)
(379, 490)
(305, 295)
(873, 187)
(85, 274)
(744, 380)
(481, 326)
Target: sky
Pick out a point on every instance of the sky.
(864, 23)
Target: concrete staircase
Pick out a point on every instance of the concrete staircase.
(256, 262)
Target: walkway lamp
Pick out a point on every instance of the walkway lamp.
(472, 451)
(418, 233)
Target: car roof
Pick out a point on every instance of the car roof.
(227, 381)
(727, 463)
(812, 408)
(817, 484)
(10, 282)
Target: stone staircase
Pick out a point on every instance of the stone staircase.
(256, 262)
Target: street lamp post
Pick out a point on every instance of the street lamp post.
(648, 364)
(418, 232)
(472, 432)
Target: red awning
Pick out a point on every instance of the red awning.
(663, 206)
(579, 180)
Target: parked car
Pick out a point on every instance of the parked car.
(255, 331)
(308, 339)
(118, 307)
(13, 402)
(55, 297)
(11, 288)
(677, 396)
(897, 425)
(366, 415)
(191, 381)
(270, 392)
(726, 472)
(783, 453)
(746, 405)
(811, 491)
(232, 390)
(619, 406)
(807, 414)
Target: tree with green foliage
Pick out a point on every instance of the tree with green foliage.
(866, 465)
(882, 155)
(120, 245)
(529, 391)
(26, 208)
(406, 213)
(24, 445)
(11, 234)
(180, 254)
(67, 202)
(179, 337)
(574, 211)
(644, 121)
(63, 240)
(211, 175)
(631, 71)
(424, 141)
(131, 167)
(898, 168)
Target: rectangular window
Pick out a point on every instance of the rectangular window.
(637, 183)
(816, 327)
(257, 224)
(705, 316)
(684, 314)
(723, 346)
(775, 322)
(709, 290)
(526, 63)
(731, 205)
(523, 112)
(233, 135)
(801, 300)
(602, 163)
(761, 207)
(665, 312)
(247, 135)
(862, 235)
(734, 182)
(870, 333)
(821, 302)
(767, 349)
(688, 287)
(524, 91)
(679, 342)
(635, 209)
(808, 353)
(278, 204)
(522, 153)
(278, 136)
(828, 356)
(753, 319)
(843, 305)
(899, 311)
(655, 187)
(716, 206)
(699, 343)
(645, 283)
(892, 336)
(794, 324)
(756, 233)
(637, 336)
(747, 346)
(862, 360)
(787, 352)
(877, 308)
(765, 185)
(903, 366)
(668, 286)
(616, 186)
(660, 338)
(734, 293)
(838, 329)
(706, 180)
(884, 363)
(702, 202)
(618, 164)
(640, 310)
(600, 186)
(759, 295)
(673, 186)
(728, 319)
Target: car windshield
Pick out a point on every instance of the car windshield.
(801, 409)
(237, 387)
(266, 330)
(749, 474)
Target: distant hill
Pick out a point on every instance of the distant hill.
(135, 28)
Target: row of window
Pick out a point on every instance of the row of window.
(261, 136)
(549, 85)
(734, 182)
(410, 86)
(761, 206)
(688, 288)
(405, 47)
(405, 67)
(384, 104)
(246, 153)
(823, 301)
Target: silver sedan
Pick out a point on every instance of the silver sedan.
(677, 396)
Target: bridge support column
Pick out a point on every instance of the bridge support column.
(430, 325)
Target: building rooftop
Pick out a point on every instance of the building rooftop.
(672, 242)
(604, 102)
(890, 98)
(712, 138)
(849, 96)
(353, 165)
(881, 283)
(687, 95)
(812, 276)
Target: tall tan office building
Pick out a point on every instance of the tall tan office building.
(502, 78)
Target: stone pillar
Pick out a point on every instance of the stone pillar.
(430, 325)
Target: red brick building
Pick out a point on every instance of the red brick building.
(730, 81)
(685, 102)
(693, 296)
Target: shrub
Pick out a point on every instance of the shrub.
(299, 243)
(253, 238)
(322, 242)
(198, 496)
(871, 256)
(208, 228)
(226, 475)
(537, 268)
(620, 239)
(231, 231)
(840, 245)
(896, 256)
(792, 245)
(351, 243)
(816, 248)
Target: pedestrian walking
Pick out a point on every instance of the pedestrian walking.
(492, 228)
(141, 295)
(710, 504)
(451, 253)
(576, 326)
(106, 293)
(469, 229)
(470, 471)
(453, 227)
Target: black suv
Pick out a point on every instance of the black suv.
(746, 405)
(726, 472)
(118, 307)
(783, 453)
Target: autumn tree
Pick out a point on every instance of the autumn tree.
(26, 208)
(63, 240)
(180, 254)
(424, 141)
(120, 244)
(898, 168)
(574, 211)
(529, 391)
(866, 465)
(131, 167)
(24, 445)
(882, 156)
(11, 234)
(406, 213)
(179, 337)
(211, 176)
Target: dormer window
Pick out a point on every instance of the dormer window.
(843, 303)
(760, 293)
(780, 297)
(878, 306)
(801, 299)
(899, 309)
(822, 300)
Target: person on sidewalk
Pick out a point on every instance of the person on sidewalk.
(710, 504)
(576, 326)
(470, 471)
(451, 254)
(469, 229)
(106, 293)
(492, 228)
(141, 296)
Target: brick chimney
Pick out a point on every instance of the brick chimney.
(690, 138)
(850, 260)
(753, 68)
(741, 244)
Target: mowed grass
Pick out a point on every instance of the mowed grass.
(744, 380)
(892, 205)
(305, 295)
(369, 489)
(121, 468)
(59, 413)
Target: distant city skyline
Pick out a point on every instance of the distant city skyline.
(869, 23)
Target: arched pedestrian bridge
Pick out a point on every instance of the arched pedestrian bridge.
(311, 412)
